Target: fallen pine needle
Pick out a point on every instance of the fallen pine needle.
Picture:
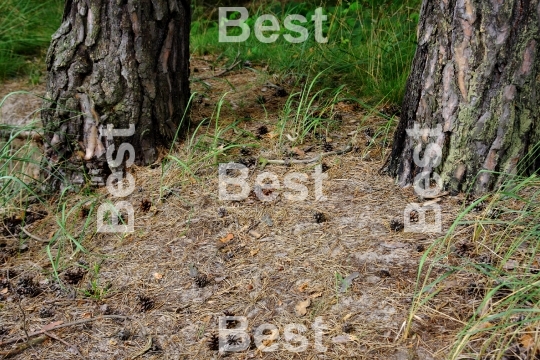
(74, 323)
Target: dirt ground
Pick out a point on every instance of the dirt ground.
(192, 258)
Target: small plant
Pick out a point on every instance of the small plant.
(499, 257)
(304, 111)
(95, 289)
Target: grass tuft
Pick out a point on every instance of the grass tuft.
(26, 27)
(488, 263)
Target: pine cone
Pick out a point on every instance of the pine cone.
(463, 249)
(146, 303)
(247, 161)
(74, 276)
(213, 342)
(281, 92)
(233, 340)
(347, 328)
(4, 284)
(328, 147)
(45, 313)
(145, 205)
(27, 287)
(201, 280)
(231, 324)
(262, 130)
(319, 217)
(396, 225)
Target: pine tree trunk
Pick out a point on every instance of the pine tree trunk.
(476, 74)
(116, 62)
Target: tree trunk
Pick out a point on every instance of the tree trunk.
(119, 63)
(476, 74)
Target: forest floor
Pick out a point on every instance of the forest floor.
(343, 263)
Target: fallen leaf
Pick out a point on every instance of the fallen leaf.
(479, 328)
(298, 152)
(227, 238)
(51, 325)
(347, 317)
(315, 295)
(301, 307)
(158, 276)
(341, 339)
(510, 265)
(303, 287)
(4, 291)
(527, 341)
(255, 234)
(254, 252)
(87, 315)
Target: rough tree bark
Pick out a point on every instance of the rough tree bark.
(476, 73)
(115, 62)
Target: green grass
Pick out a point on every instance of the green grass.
(17, 160)
(370, 48)
(368, 55)
(26, 27)
(308, 110)
(493, 256)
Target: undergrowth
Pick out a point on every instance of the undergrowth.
(26, 27)
(491, 255)
(370, 43)
(492, 251)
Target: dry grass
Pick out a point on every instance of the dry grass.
(262, 278)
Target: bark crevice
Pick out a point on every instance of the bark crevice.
(484, 64)
(104, 60)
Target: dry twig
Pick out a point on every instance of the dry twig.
(309, 161)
